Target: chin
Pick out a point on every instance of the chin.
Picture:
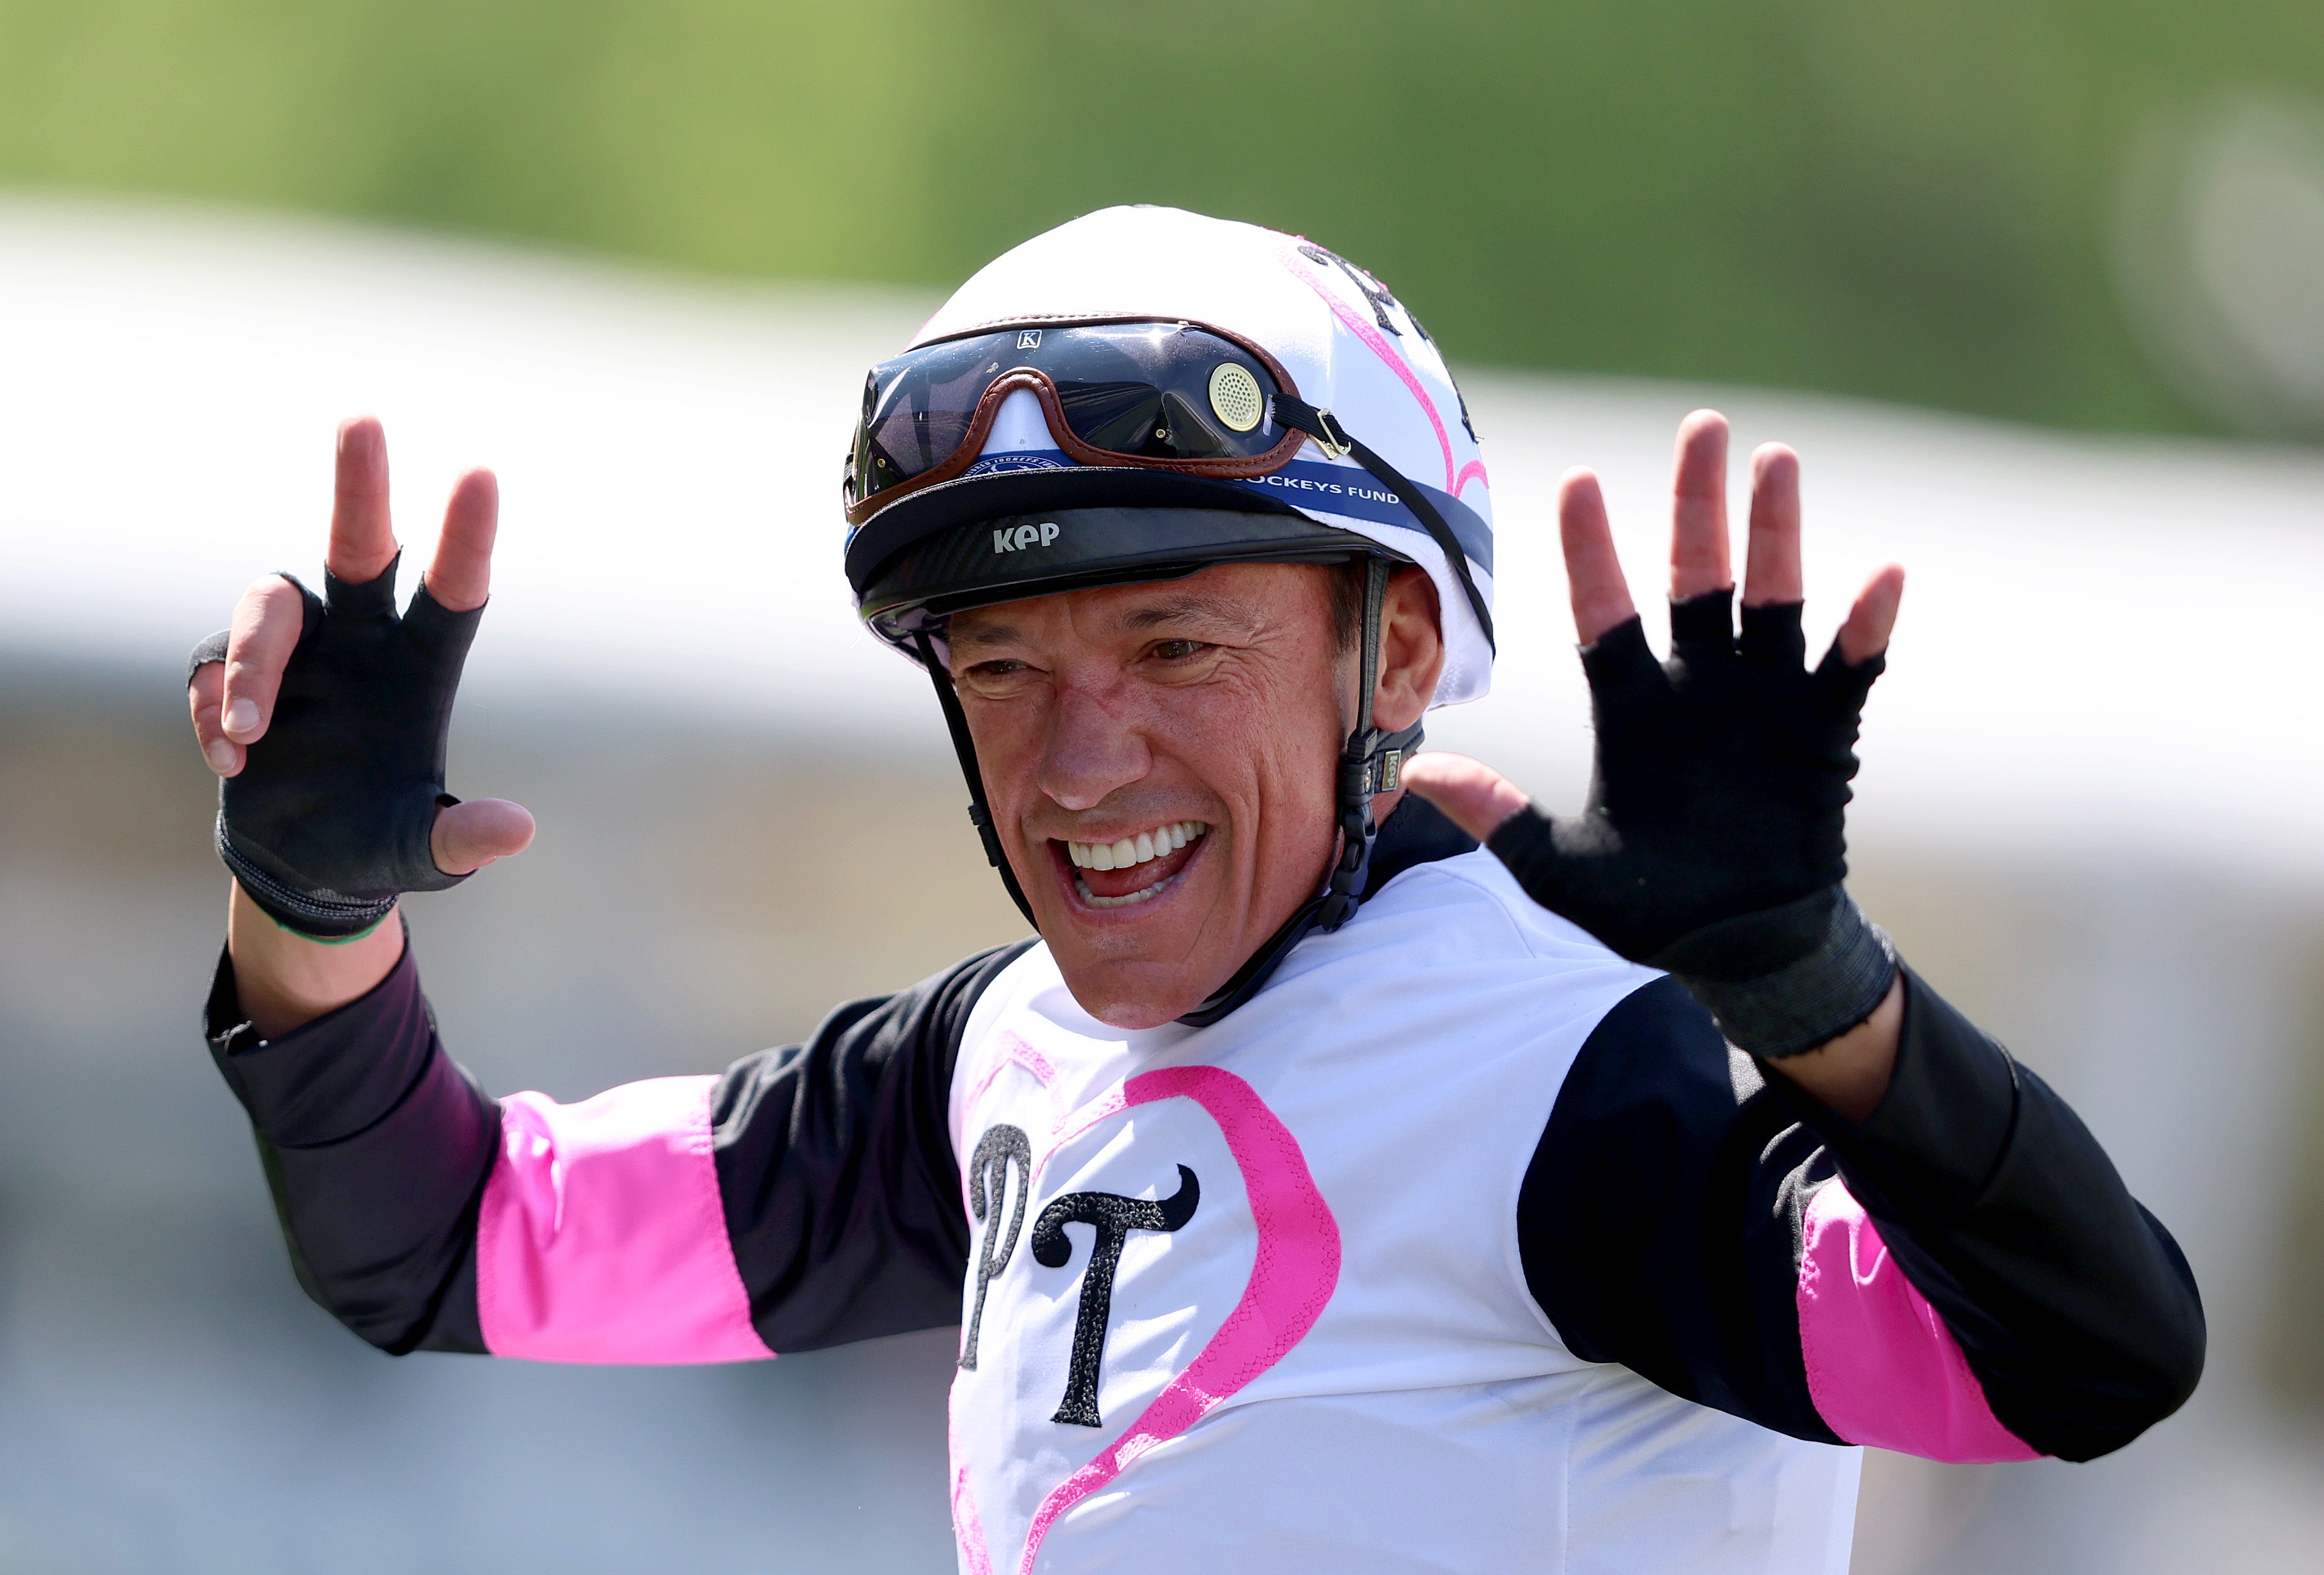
(1145, 963)
(1132, 992)
(1131, 1016)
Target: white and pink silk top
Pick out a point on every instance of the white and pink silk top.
(1327, 1356)
(1464, 1246)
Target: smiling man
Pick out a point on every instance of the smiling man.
(1318, 1190)
(1153, 754)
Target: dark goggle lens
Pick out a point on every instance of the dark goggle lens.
(1158, 391)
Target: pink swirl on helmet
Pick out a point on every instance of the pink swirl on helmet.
(1371, 336)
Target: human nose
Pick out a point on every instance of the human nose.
(1092, 750)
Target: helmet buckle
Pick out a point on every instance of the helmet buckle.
(1331, 437)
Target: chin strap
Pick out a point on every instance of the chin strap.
(1372, 761)
(980, 814)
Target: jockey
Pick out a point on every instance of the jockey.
(1358, 1169)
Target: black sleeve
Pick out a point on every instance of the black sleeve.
(834, 1159)
(2077, 1311)
(1661, 1226)
(375, 1146)
(834, 1162)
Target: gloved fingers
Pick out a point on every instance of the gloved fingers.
(1873, 618)
(211, 648)
(468, 835)
(373, 599)
(362, 535)
(1699, 546)
(1593, 572)
(460, 577)
(1473, 795)
(1620, 668)
(1702, 626)
(1845, 683)
(1772, 638)
(445, 635)
(267, 622)
(1771, 571)
(206, 696)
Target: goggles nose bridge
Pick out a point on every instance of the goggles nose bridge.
(1107, 358)
(1019, 379)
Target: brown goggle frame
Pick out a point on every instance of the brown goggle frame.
(988, 407)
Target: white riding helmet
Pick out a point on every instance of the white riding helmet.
(1349, 346)
(1145, 391)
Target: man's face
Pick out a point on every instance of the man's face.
(1159, 761)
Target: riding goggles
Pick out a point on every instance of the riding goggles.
(1147, 394)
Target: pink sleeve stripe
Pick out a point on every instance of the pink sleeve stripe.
(603, 1238)
(1883, 1368)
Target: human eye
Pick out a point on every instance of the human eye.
(1174, 651)
(995, 679)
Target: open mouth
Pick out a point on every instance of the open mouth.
(1131, 870)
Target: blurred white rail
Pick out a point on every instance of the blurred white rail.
(2105, 640)
(2107, 653)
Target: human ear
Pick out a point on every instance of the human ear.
(1412, 651)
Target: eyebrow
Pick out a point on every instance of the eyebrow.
(1180, 608)
(980, 634)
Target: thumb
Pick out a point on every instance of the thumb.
(469, 836)
(1473, 795)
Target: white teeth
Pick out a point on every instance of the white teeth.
(1159, 843)
(1094, 901)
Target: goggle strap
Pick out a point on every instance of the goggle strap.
(979, 813)
(1324, 427)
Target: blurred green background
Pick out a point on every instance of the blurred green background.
(2096, 217)
(1911, 201)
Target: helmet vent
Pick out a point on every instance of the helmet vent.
(1235, 396)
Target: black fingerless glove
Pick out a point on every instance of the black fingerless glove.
(1711, 844)
(330, 819)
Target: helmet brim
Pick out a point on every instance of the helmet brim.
(974, 499)
(1012, 557)
(952, 547)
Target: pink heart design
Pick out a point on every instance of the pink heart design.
(1293, 1276)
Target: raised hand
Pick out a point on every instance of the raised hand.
(1711, 841)
(327, 717)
